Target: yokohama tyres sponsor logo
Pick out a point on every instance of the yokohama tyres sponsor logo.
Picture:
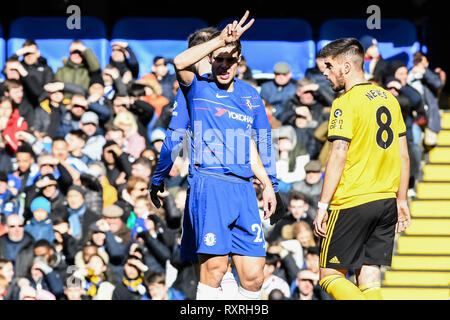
(234, 115)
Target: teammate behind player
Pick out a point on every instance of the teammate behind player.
(363, 201)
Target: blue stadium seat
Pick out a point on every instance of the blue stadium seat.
(271, 40)
(53, 37)
(150, 37)
(2, 51)
(397, 38)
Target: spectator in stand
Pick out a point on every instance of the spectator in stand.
(34, 63)
(316, 76)
(131, 285)
(80, 215)
(60, 150)
(89, 123)
(299, 210)
(311, 186)
(428, 83)
(42, 276)
(47, 115)
(279, 90)
(165, 79)
(11, 288)
(115, 216)
(271, 281)
(112, 83)
(307, 288)
(292, 157)
(101, 240)
(11, 122)
(301, 232)
(158, 290)
(78, 69)
(98, 283)
(70, 119)
(118, 167)
(17, 245)
(9, 203)
(14, 90)
(66, 246)
(76, 141)
(43, 248)
(375, 67)
(142, 110)
(153, 94)
(135, 187)
(244, 72)
(40, 226)
(305, 127)
(311, 95)
(157, 139)
(47, 187)
(134, 143)
(141, 210)
(124, 59)
(142, 167)
(27, 169)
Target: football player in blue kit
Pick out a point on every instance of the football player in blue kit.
(228, 126)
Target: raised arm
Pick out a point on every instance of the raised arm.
(184, 61)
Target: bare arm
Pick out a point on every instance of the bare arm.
(404, 218)
(184, 61)
(259, 171)
(191, 56)
(333, 173)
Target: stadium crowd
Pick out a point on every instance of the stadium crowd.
(79, 146)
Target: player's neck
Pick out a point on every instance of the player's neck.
(354, 80)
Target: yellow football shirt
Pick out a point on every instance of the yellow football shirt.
(370, 118)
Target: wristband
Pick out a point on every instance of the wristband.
(322, 205)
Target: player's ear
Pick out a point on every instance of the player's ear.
(347, 67)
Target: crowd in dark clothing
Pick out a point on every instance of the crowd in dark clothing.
(78, 149)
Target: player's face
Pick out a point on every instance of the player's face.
(334, 73)
(224, 63)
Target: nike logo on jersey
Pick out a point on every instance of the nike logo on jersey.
(219, 96)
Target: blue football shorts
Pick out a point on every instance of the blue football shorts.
(221, 217)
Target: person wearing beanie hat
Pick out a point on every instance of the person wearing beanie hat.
(375, 67)
(89, 123)
(40, 226)
(80, 216)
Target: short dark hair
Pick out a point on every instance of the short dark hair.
(25, 148)
(272, 259)
(29, 43)
(345, 46)
(80, 134)
(201, 36)
(156, 58)
(144, 162)
(154, 277)
(42, 243)
(297, 195)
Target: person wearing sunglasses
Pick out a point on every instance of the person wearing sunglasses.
(17, 245)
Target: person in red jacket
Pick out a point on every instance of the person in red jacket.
(10, 122)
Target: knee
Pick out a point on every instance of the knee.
(212, 274)
(252, 282)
